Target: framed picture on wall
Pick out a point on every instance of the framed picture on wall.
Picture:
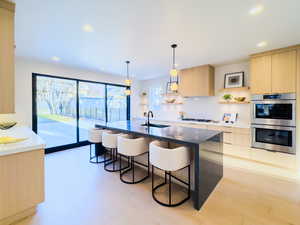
(230, 117)
(234, 80)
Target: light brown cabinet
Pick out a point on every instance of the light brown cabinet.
(261, 75)
(197, 81)
(284, 72)
(7, 63)
(274, 72)
(22, 184)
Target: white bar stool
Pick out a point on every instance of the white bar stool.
(169, 160)
(109, 141)
(94, 137)
(133, 147)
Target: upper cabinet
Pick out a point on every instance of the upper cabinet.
(197, 81)
(274, 72)
(284, 72)
(261, 75)
(7, 63)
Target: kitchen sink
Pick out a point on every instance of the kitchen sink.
(155, 125)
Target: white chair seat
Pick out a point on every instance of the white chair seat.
(168, 159)
(110, 139)
(95, 135)
(130, 146)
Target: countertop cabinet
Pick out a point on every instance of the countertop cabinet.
(274, 72)
(7, 64)
(197, 81)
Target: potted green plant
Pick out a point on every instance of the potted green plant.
(227, 97)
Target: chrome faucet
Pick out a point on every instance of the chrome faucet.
(148, 116)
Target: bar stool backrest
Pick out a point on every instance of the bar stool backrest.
(109, 138)
(169, 159)
(95, 135)
(130, 146)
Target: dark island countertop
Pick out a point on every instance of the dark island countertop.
(180, 134)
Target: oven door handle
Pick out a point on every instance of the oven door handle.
(274, 127)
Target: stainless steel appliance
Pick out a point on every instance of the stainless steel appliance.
(274, 138)
(274, 122)
(279, 109)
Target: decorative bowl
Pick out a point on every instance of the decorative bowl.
(240, 99)
(170, 100)
(7, 125)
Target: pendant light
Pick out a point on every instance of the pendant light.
(127, 81)
(172, 85)
(173, 71)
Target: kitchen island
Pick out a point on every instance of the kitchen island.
(206, 146)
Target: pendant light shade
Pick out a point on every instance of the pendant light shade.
(128, 82)
(173, 71)
(172, 85)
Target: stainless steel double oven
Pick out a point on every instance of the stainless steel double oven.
(274, 122)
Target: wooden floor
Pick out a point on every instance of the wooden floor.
(80, 193)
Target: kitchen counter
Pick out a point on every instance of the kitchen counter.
(32, 141)
(219, 123)
(182, 135)
(206, 146)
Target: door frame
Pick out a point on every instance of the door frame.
(78, 143)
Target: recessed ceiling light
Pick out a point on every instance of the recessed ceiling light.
(262, 44)
(88, 28)
(55, 58)
(256, 10)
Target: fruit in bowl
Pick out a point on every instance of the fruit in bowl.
(240, 99)
(6, 125)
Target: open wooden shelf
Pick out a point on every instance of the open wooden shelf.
(234, 102)
(171, 95)
(175, 103)
(234, 89)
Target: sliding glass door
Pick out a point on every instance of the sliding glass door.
(56, 111)
(116, 103)
(91, 107)
(64, 109)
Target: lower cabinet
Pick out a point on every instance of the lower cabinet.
(236, 151)
(21, 184)
(238, 144)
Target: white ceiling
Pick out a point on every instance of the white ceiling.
(207, 32)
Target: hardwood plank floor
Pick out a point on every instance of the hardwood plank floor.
(80, 193)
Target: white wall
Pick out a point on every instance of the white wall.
(205, 107)
(23, 85)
